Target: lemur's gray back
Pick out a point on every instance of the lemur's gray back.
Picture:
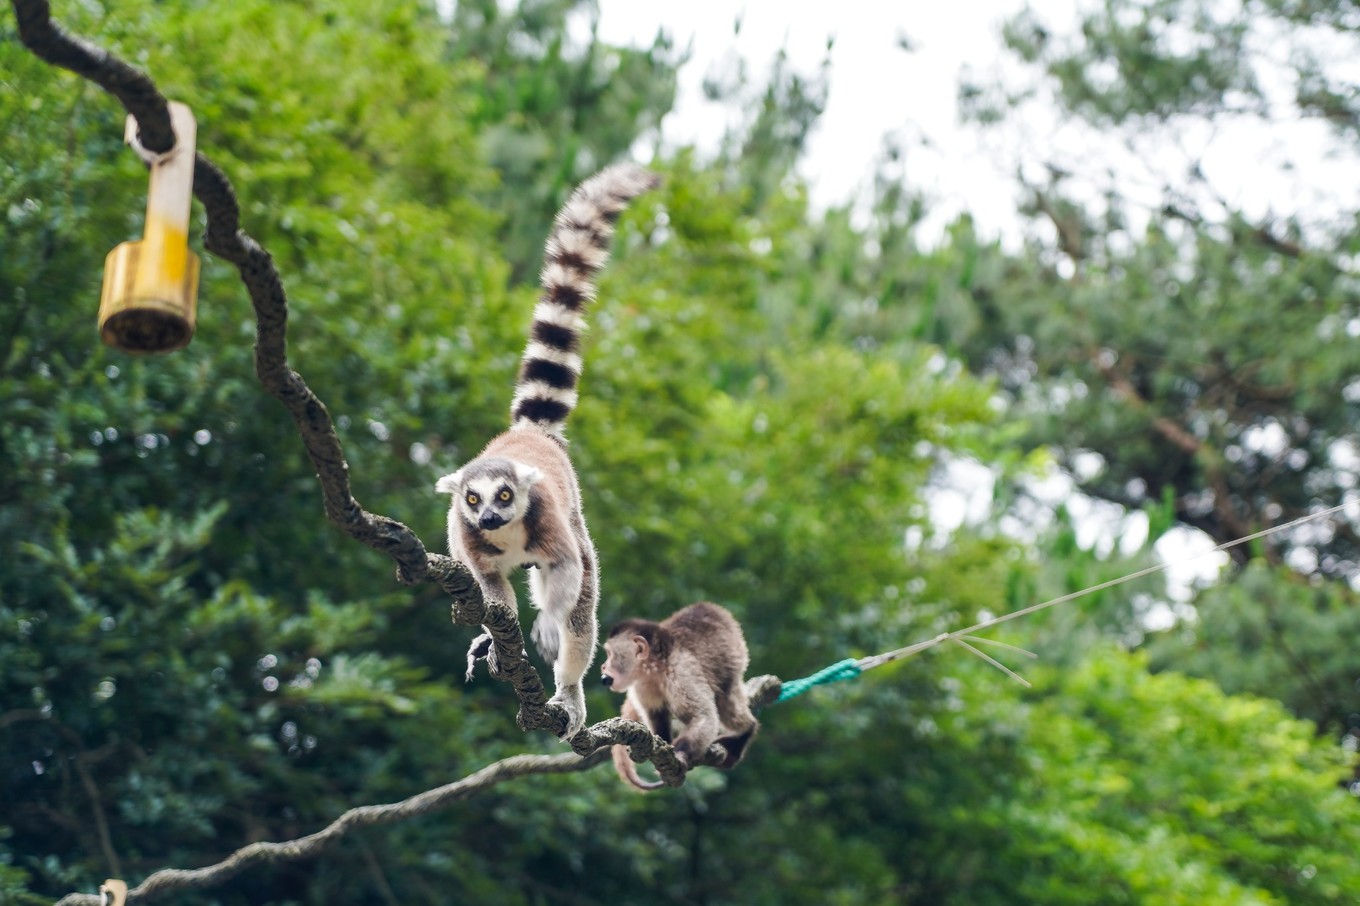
(577, 248)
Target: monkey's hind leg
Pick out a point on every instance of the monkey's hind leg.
(623, 761)
(692, 704)
(735, 746)
(734, 709)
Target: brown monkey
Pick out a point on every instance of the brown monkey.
(688, 669)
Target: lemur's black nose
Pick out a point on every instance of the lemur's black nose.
(490, 520)
(607, 680)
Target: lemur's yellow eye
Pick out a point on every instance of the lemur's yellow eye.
(505, 496)
(473, 500)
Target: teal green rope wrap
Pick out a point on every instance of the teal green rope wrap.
(843, 670)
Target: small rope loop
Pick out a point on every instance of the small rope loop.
(842, 670)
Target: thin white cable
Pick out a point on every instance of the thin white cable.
(877, 660)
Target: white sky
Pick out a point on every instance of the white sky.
(877, 88)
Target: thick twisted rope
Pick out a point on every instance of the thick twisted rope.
(170, 880)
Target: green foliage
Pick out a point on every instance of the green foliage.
(1148, 58)
(1271, 633)
(550, 111)
(1202, 352)
(183, 675)
(194, 659)
(1194, 796)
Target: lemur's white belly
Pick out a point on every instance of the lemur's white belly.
(513, 540)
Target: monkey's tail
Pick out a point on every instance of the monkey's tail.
(576, 251)
(628, 771)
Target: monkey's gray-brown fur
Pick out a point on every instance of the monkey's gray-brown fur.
(687, 669)
(519, 503)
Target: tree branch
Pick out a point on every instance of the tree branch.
(1067, 224)
(1168, 429)
(80, 761)
(101, 822)
(21, 714)
(1230, 525)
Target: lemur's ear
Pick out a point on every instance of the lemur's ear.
(449, 484)
(527, 475)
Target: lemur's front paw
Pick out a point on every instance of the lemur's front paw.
(482, 647)
(572, 699)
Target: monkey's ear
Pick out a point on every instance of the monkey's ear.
(527, 475)
(641, 648)
(450, 483)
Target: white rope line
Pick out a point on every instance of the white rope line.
(958, 640)
(1016, 648)
(958, 635)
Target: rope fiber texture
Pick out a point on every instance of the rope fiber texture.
(847, 669)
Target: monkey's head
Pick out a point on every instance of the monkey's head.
(634, 649)
(490, 493)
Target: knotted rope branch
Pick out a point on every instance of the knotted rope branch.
(225, 238)
(170, 880)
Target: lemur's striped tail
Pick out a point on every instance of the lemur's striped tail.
(577, 248)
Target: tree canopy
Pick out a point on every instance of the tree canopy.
(194, 659)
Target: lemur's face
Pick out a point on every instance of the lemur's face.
(490, 503)
(490, 493)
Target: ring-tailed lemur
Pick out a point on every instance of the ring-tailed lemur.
(519, 503)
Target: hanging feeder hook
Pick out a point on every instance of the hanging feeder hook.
(151, 286)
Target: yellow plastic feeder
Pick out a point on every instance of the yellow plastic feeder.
(151, 286)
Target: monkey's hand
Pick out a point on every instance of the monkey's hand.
(571, 699)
